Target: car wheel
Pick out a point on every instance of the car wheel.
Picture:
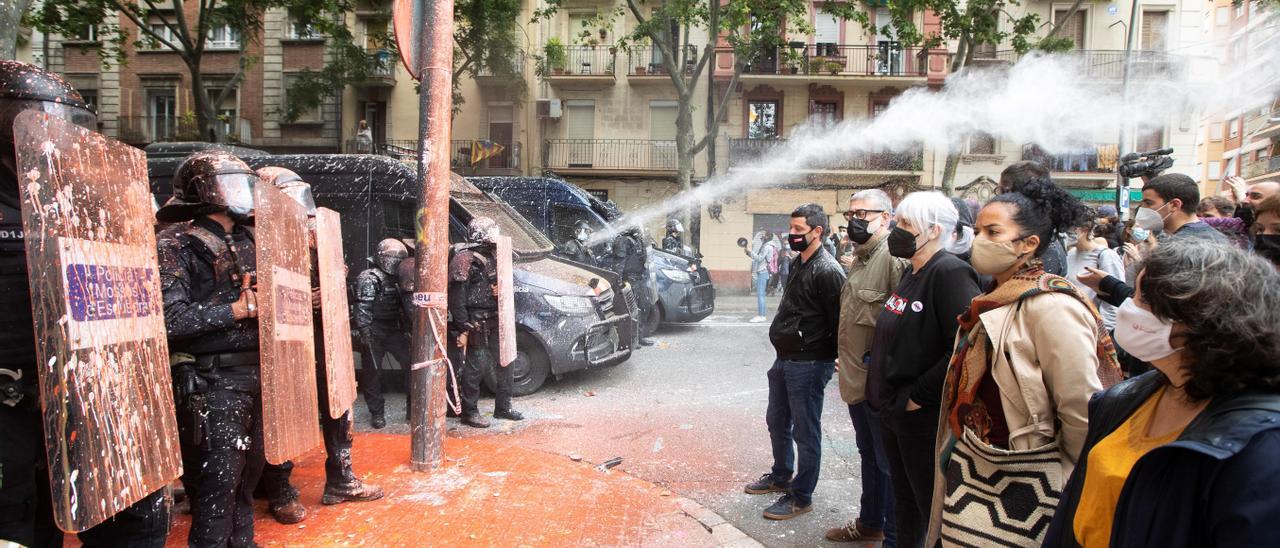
(530, 368)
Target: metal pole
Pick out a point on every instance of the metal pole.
(434, 58)
(1122, 147)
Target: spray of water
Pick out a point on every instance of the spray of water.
(1055, 101)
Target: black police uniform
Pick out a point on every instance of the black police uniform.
(575, 250)
(383, 329)
(631, 255)
(473, 309)
(219, 399)
(671, 243)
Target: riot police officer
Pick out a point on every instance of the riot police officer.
(473, 322)
(207, 268)
(577, 248)
(671, 242)
(26, 509)
(381, 324)
(631, 262)
(341, 483)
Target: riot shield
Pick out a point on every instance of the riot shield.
(506, 304)
(103, 358)
(290, 420)
(340, 368)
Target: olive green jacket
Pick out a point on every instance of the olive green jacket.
(873, 276)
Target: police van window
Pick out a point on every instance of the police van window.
(398, 217)
(563, 219)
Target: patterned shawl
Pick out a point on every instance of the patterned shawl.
(970, 362)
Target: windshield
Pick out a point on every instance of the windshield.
(525, 239)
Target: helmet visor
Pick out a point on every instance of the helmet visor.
(302, 195)
(74, 114)
(235, 191)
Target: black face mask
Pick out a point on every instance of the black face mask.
(1245, 213)
(858, 233)
(902, 244)
(797, 241)
(1267, 246)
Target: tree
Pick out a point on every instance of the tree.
(485, 42)
(750, 27)
(185, 30)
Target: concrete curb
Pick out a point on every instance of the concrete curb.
(724, 533)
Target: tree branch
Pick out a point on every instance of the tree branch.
(1057, 26)
(721, 111)
(144, 28)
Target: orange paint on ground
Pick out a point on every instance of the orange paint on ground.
(487, 493)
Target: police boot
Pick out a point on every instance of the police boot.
(646, 341)
(508, 414)
(475, 420)
(288, 510)
(353, 490)
(378, 421)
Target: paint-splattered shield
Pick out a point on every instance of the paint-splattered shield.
(340, 369)
(290, 420)
(506, 304)
(110, 432)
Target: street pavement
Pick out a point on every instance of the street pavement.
(688, 416)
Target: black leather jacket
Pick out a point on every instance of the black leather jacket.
(808, 318)
(199, 281)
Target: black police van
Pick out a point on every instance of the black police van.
(563, 323)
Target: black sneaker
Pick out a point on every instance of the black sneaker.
(786, 508)
(766, 484)
(509, 414)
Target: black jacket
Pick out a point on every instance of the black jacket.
(1215, 485)
(199, 279)
(808, 318)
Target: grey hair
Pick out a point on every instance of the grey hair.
(1228, 301)
(876, 196)
(925, 210)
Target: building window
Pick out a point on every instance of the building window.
(1231, 167)
(1155, 27)
(223, 37)
(162, 114)
(762, 120)
(981, 143)
(824, 113)
(310, 116)
(1239, 9)
(1150, 140)
(302, 31)
(90, 98)
(1072, 28)
(88, 34)
(1223, 16)
(1215, 131)
(1233, 128)
(165, 32)
(228, 119)
(1215, 169)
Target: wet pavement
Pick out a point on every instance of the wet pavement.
(687, 415)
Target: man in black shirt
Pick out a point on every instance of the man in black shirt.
(804, 335)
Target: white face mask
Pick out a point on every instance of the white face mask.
(1142, 334)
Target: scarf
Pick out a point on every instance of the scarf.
(970, 361)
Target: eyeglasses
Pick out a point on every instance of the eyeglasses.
(860, 213)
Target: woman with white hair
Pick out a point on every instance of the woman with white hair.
(911, 349)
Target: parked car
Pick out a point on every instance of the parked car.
(563, 324)
(682, 285)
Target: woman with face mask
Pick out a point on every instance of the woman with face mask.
(910, 351)
(1028, 355)
(1185, 455)
(1092, 251)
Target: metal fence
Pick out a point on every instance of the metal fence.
(459, 153)
(628, 154)
(647, 60)
(748, 152)
(1104, 64)
(516, 65)
(885, 59)
(586, 61)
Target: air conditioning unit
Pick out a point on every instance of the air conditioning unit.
(549, 108)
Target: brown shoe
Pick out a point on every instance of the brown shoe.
(855, 532)
(289, 512)
(356, 491)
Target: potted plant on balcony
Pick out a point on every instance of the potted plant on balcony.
(555, 55)
(833, 66)
(793, 59)
(815, 65)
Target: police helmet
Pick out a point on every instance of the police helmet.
(207, 182)
(390, 253)
(482, 230)
(673, 225)
(25, 87)
(291, 184)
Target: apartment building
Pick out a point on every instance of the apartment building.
(149, 97)
(1168, 42)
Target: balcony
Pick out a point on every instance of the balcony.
(505, 163)
(1085, 163)
(585, 65)
(486, 76)
(1258, 170)
(746, 153)
(1102, 64)
(612, 156)
(646, 64)
(142, 130)
(835, 60)
(382, 70)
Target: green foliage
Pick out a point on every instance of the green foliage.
(485, 41)
(968, 23)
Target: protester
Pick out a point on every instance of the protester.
(1029, 354)
(803, 334)
(910, 350)
(1169, 202)
(785, 257)
(873, 274)
(1110, 227)
(1266, 241)
(1186, 455)
(1091, 251)
(1215, 206)
(1234, 229)
(1247, 197)
(961, 240)
(1012, 179)
(762, 254)
(210, 313)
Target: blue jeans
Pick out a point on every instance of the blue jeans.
(796, 390)
(877, 487)
(761, 282)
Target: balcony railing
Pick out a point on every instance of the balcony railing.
(1100, 159)
(1258, 169)
(459, 153)
(746, 152)
(516, 65)
(886, 59)
(142, 129)
(585, 61)
(1103, 64)
(647, 61)
(610, 154)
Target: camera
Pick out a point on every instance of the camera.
(1145, 164)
